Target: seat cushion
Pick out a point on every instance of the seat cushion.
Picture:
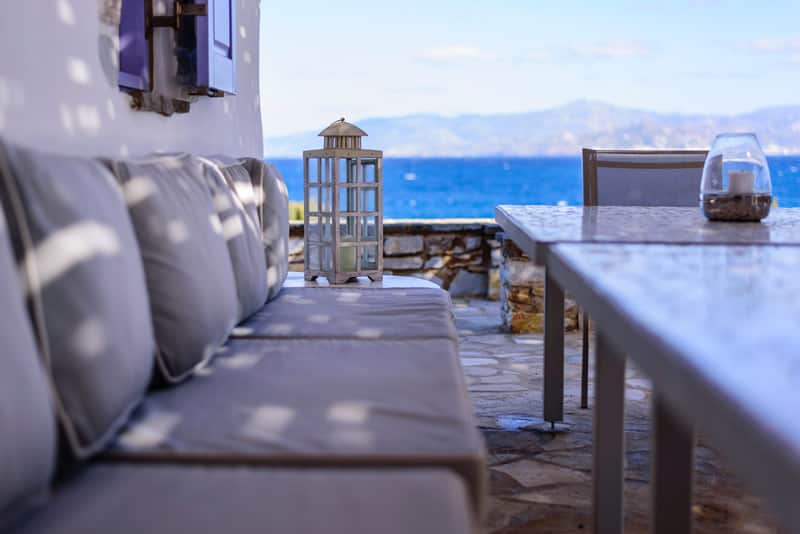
(88, 288)
(188, 269)
(363, 313)
(27, 428)
(326, 402)
(241, 229)
(272, 199)
(210, 500)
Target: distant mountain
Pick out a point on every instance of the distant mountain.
(559, 131)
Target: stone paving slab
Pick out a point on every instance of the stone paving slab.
(541, 480)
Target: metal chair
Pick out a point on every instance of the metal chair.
(637, 178)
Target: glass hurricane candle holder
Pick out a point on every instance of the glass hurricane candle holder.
(736, 184)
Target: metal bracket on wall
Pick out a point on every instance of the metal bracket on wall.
(205, 91)
(174, 21)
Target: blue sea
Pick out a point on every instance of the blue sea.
(471, 187)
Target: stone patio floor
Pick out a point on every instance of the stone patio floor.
(541, 480)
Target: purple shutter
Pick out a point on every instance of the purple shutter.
(216, 46)
(134, 56)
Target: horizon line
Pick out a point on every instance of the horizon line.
(552, 108)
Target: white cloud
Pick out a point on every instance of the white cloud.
(539, 56)
(454, 53)
(612, 51)
(777, 44)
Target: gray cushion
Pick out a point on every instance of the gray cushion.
(27, 429)
(272, 199)
(310, 312)
(341, 402)
(187, 265)
(95, 320)
(235, 204)
(170, 499)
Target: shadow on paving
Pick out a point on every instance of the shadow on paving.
(540, 479)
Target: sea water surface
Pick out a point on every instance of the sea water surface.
(429, 188)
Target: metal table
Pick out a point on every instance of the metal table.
(536, 229)
(716, 329)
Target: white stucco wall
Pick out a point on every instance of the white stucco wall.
(58, 88)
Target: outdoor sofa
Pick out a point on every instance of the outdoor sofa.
(155, 377)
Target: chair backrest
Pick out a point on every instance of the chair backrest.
(642, 177)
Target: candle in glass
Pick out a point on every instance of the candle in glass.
(741, 182)
(347, 259)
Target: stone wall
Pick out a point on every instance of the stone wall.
(522, 293)
(469, 258)
(460, 256)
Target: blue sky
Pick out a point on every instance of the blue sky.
(322, 59)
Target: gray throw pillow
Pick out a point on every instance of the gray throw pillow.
(88, 288)
(234, 202)
(272, 199)
(188, 269)
(27, 429)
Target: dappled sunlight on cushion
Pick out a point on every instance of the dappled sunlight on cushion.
(318, 318)
(348, 296)
(244, 360)
(150, 431)
(70, 246)
(242, 331)
(368, 333)
(232, 227)
(177, 232)
(216, 224)
(90, 338)
(349, 412)
(268, 422)
(138, 189)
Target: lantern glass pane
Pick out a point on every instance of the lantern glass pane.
(327, 258)
(369, 228)
(347, 228)
(369, 199)
(369, 169)
(312, 229)
(313, 199)
(348, 197)
(369, 258)
(347, 258)
(327, 229)
(325, 200)
(345, 170)
(313, 171)
(313, 258)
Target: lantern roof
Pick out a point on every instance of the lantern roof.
(341, 128)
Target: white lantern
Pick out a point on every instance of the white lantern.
(343, 214)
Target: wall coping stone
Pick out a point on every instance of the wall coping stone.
(426, 226)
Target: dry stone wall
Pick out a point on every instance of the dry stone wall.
(522, 293)
(460, 256)
(467, 259)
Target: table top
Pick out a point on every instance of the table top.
(535, 228)
(717, 328)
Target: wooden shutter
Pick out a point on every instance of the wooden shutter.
(216, 46)
(134, 55)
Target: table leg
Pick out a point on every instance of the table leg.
(673, 468)
(585, 362)
(553, 350)
(609, 437)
